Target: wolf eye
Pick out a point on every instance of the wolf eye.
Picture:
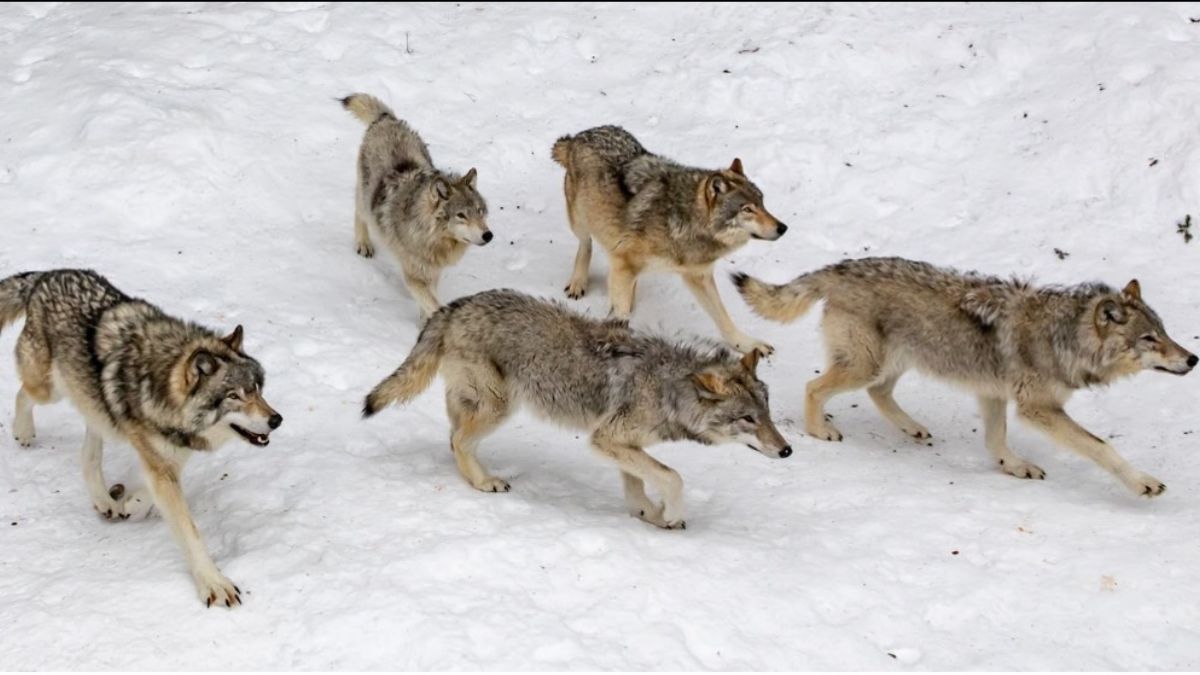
(747, 419)
(748, 208)
(461, 215)
(233, 396)
(1149, 338)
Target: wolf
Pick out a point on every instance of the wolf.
(499, 349)
(649, 212)
(426, 217)
(168, 387)
(1005, 340)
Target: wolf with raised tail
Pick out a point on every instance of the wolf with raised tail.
(498, 349)
(1005, 340)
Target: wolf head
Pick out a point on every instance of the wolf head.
(460, 208)
(220, 393)
(733, 407)
(1132, 337)
(735, 206)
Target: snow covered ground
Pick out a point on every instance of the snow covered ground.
(196, 155)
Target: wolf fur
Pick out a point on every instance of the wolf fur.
(648, 212)
(166, 386)
(425, 216)
(1006, 340)
(498, 349)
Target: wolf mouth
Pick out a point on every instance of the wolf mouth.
(251, 437)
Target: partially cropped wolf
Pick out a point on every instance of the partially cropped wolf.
(1005, 340)
(650, 212)
(425, 216)
(168, 387)
(499, 349)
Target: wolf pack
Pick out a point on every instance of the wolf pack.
(170, 388)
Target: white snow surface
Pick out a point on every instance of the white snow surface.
(196, 155)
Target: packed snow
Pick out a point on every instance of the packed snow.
(196, 155)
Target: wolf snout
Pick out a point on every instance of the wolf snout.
(779, 230)
(487, 236)
(785, 451)
(275, 420)
(1192, 361)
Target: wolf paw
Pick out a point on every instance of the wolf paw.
(23, 432)
(109, 509)
(136, 506)
(653, 514)
(365, 249)
(746, 344)
(824, 432)
(1145, 485)
(493, 485)
(1022, 469)
(576, 289)
(917, 431)
(217, 591)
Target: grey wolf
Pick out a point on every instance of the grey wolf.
(168, 387)
(425, 216)
(649, 212)
(1005, 340)
(499, 349)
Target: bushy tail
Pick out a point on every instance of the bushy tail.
(418, 370)
(783, 302)
(366, 107)
(14, 296)
(561, 149)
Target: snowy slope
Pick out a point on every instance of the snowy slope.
(196, 155)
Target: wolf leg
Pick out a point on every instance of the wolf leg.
(92, 459)
(421, 289)
(475, 410)
(881, 394)
(836, 379)
(638, 468)
(162, 476)
(23, 428)
(362, 236)
(578, 284)
(622, 286)
(702, 285)
(1055, 422)
(995, 430)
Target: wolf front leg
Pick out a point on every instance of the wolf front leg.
(702, 285)
(638, 468)
(1054, 421)
(162, 476)
(424, 291)
(362, 237)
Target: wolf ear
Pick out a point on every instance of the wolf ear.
(1132, 290)
(469, 179)
(750, 361)
(1110, 311)
(736, 167)
(441, 189)
(203, 364)
(711, 384)
(715, 185)
(234, 339)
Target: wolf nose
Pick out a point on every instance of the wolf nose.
(487, 236)
(1193, 360)
(781, 229)
(786, 451)
(275, 421)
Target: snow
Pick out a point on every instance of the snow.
(196, 155)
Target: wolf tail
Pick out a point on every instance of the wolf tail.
(14, 296)
(418, 370)
(783, 302)
(366, 107)
(561, 150)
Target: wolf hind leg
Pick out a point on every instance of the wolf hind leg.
(881, 394)
(854, 362)
(577, 285)
(476, 404)
(92, 458)
(362, 236)
(23, 428)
